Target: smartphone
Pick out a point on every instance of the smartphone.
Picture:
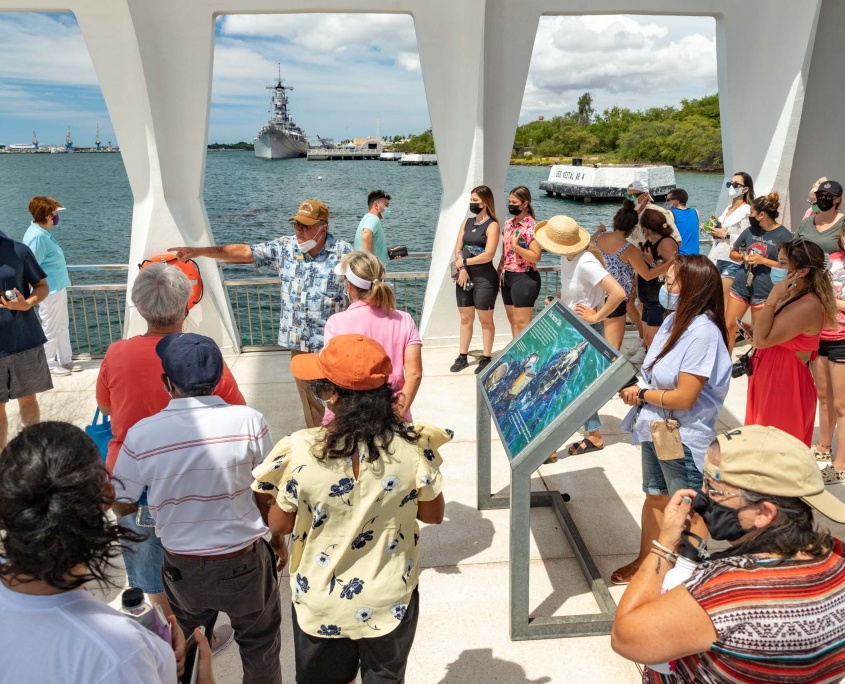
(745, 330)
(192, 658)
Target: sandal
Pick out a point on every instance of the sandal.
(585, 446)
(624, 575)
(551, 459)
(819, 453)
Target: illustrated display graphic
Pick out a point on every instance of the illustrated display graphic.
(551, 364)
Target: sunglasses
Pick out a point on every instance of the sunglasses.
(733, 184)
(824, 195)
(322, 389)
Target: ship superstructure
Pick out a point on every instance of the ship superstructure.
(280, 137)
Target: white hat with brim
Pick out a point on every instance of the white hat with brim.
(561, 235)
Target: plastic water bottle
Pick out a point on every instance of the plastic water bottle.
(689, 556)
(132, 603)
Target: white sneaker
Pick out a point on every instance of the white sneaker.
(72, 367)
(831, 475)
(638, 357)
(60, 370)
(632, 348)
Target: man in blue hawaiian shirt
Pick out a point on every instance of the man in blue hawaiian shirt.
(310, 289)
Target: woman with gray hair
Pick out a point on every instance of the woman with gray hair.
(130, 388)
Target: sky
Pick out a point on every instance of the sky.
(354, 75)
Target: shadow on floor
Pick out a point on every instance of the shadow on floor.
(478, 665)
(463, 534)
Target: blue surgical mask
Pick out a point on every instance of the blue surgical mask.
(668, 300)
(385, 213)
(778, 274)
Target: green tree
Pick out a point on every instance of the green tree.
(585, 109)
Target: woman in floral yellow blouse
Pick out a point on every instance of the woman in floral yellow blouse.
(350, 495)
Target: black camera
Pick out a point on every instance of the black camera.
(743, 365)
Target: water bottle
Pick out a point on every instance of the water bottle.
(132, 603)
(689, 556)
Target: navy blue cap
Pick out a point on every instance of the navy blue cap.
(831, 186)
(190, 360)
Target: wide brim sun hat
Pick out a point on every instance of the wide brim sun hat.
(561, 235)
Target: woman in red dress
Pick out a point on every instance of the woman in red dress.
(781, 391)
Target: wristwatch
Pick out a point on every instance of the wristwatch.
(641, 394)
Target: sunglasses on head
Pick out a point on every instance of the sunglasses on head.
(733, 184)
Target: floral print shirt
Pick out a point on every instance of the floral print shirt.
(310, 289)
(354, 560)
(511, 261)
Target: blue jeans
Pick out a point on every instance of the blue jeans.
(143, 560)
(664, 478)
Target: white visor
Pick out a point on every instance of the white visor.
(357, 281)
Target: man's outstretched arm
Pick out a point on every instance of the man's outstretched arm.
(237, 254)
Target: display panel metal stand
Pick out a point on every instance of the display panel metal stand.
(541, 398)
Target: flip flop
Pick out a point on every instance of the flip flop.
(624, 575)
(577, 448)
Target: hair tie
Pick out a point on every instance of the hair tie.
(376, 281)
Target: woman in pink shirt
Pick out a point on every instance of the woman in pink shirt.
(373, 314)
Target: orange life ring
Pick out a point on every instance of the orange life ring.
(189, 268)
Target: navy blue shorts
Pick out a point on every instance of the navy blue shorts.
(653, 314)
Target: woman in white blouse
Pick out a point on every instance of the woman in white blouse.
(732, 222)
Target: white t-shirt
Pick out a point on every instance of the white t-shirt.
(74, 638)
(579, 281)
(734, 224)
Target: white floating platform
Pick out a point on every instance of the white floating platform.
(390, 156)
(418, 160)
(591, 183)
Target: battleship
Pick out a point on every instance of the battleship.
(280, 137)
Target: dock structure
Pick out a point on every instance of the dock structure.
(418, 160)
(330, 154)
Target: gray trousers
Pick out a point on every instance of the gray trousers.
(246, 588)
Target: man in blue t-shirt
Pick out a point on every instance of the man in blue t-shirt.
(23, 364)
(686, 220)
(370, 235)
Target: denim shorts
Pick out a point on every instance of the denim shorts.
(143, 560)
(727, 268)
(653, 314)
(664, 478)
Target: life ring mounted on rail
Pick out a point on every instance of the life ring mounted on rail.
(189, 268)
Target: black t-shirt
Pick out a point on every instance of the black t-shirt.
(19, 330)
(755, 240)
(648, 291)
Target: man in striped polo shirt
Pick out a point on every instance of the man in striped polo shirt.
(196, 458)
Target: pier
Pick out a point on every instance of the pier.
(332, 154)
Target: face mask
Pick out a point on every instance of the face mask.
(308, 245)
(753, 221)
(55, 219)
(815, 208)
(778, 274)
(514, 210)
(668, 300)
(385, 213)
(823, 203)
(722, 522)
(735, 192)
(474, 207)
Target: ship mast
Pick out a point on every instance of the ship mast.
(69, 143)
(97, 140)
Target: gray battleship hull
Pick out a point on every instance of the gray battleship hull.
(279, 145)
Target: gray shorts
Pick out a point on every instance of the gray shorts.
(23, 374)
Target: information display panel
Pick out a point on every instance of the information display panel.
(554, 361)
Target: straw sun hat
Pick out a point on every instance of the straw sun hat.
(561, 235)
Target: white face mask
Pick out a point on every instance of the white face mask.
(308, 245)
(735, 192)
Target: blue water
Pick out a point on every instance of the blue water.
(249, 200)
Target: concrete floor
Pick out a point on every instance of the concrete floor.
(462, 636)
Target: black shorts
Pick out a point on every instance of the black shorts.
(24, 374)
(521, 289)
(619, 310)
(485, 288)
(335, 660)
(834, 350)
(653, 314)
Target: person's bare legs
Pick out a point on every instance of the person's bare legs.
(727, 284)
(650, 520)
(822, 371)
(509, 311)
(4, 426)
(614, 331)
(733, 309)
(488, 331)
(633, 312)
(521, 318)
(467, 317)
(30, 412)
(649, 331)
(837, 382)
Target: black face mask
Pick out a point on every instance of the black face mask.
(474, 207)
(514, 210)
(753, 221)
(722, 522)
(824, 203)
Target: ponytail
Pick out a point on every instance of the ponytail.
(368, 268)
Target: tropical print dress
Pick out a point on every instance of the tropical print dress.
(354, 560)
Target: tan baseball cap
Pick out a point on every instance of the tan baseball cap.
(767, 460)
(310, 212)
